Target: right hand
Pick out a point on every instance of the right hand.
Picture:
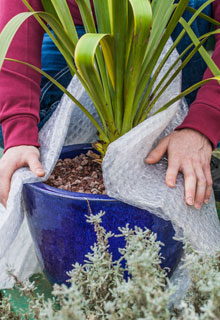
(13, 159)
(189, 152)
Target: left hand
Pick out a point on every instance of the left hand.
(13, 159)
(189, 152)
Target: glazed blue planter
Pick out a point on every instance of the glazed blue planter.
(62, 236)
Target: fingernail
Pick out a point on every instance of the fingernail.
(198, 205)
(39, 171)
(171, 184)
(189, 201)
(206, 201)
(149, 158)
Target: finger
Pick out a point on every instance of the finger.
(189, 183)
(200, 187)
(6, 173)
(172, 170)
(158, 152)
(209, 183)
(35, 165)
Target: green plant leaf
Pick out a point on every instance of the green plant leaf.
(62, 88)
(202, 39)
(66, 19)
(85, 62)
(204, 16)
(119, 14)
(184, 93)
(102, 13)
(61, 38)
(162, 12)
(179, 38)
(142, 20)
(14, 24)
(209, 61)
(152, 58)
(116, 60)
(48, 7)
(151, 104)
(87, 17)
(9, 32)
(86, 14)
(147, 97)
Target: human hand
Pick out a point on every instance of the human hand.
(189, 152)
(13, 159)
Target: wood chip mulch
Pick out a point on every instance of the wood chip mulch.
(81, 174)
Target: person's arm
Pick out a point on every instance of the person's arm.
(19, 84)
(19, 97)
(190, 147)
(20, 94)
(204, 112)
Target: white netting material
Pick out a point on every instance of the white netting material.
(126, 176)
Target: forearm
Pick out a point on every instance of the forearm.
(19, 84)
(204, 113)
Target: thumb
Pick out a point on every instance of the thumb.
(35, 166)
(156, 154)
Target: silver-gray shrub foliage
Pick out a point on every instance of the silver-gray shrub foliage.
(203, 298)
(98, 289)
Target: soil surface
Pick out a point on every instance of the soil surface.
(80, 174)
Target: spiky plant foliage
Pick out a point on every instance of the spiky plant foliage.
(116, 57)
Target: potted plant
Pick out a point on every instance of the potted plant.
(114, 61)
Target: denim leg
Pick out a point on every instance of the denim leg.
(195, 69)
(1, 138)
(51, 95)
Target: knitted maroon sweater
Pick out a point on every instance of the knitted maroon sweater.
(20, 85)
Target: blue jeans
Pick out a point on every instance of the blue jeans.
(195, 69)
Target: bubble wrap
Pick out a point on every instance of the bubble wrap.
(126, 176)
(129, 179)
(68, 125)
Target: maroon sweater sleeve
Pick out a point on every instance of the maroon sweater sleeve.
(204, 112)
(20, 85)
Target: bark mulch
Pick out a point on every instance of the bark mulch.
(80, 174)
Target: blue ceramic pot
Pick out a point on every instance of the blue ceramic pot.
(62, 236)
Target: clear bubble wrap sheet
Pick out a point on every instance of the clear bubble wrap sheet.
(129, 179)
(126, 176)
